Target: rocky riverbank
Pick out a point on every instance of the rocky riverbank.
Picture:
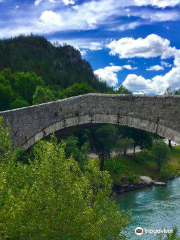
(139, 182)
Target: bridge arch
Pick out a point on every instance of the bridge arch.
(155, 114)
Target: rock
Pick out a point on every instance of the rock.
(159, 184)
(147, 180)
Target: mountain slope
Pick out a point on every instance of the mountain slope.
(60, 65)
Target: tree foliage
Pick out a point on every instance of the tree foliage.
(60, 65)
(161, 153)
(43, 95)
(103, 139)
(51, 198)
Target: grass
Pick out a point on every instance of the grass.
(142, 164)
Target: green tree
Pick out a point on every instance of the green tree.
(43, 95)
(103, 140)
(161, 153)
(78, 89)
(6, 97)
(141, 138)
(123, 145)
(51, 198)
(18, 103)
(122, 90)
(79, 153)
(25, 84)
(168, 91)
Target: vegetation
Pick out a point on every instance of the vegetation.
(142, 164)
(55, 64)
(103, 140)
(170, 236)
(161, 153)
(54, 192)
(51, 198)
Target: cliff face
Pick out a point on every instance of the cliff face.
(60, 65)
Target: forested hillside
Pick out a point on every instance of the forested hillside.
(33, 71)
(61, 65)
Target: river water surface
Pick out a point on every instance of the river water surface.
(152, 208)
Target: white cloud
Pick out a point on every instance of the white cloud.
(83, 44)
(155, 68)
(17, 7)
(129, 67)
(151, 46)
(127, 26)
(166, 64)
(87, 15)
(37, 2)
(67, 2)
(138, 84)
(154, 3)
(109, 75)
(157, 84)
(177, 58)
(83, 52)
(51, 18)
(158, 3)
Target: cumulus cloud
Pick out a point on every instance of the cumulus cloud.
(109, 74)
(151, 46)
(157, 84)
(51, 18)
(129, 67)
(155, 68)
(138, 84)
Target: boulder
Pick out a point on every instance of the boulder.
(159, 184)
(147, 180)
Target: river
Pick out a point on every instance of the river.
(152, 208)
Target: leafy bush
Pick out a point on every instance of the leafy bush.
(51, 198)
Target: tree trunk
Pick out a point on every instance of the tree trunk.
(159, 167)
(134, 150)
(102, 164)
(170, 143)
(125, 152)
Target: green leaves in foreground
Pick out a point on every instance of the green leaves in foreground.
(170, 236)
(51, 198)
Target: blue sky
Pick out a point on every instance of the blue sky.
(134, 42)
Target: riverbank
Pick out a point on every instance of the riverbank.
(126, 172)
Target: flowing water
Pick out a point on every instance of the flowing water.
(152, 208)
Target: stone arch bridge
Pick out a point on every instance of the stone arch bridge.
(156, 114)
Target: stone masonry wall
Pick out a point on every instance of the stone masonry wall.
(157, 114)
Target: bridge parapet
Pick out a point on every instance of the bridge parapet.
(157, 114)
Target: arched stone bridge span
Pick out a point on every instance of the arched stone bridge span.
(156, 114)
